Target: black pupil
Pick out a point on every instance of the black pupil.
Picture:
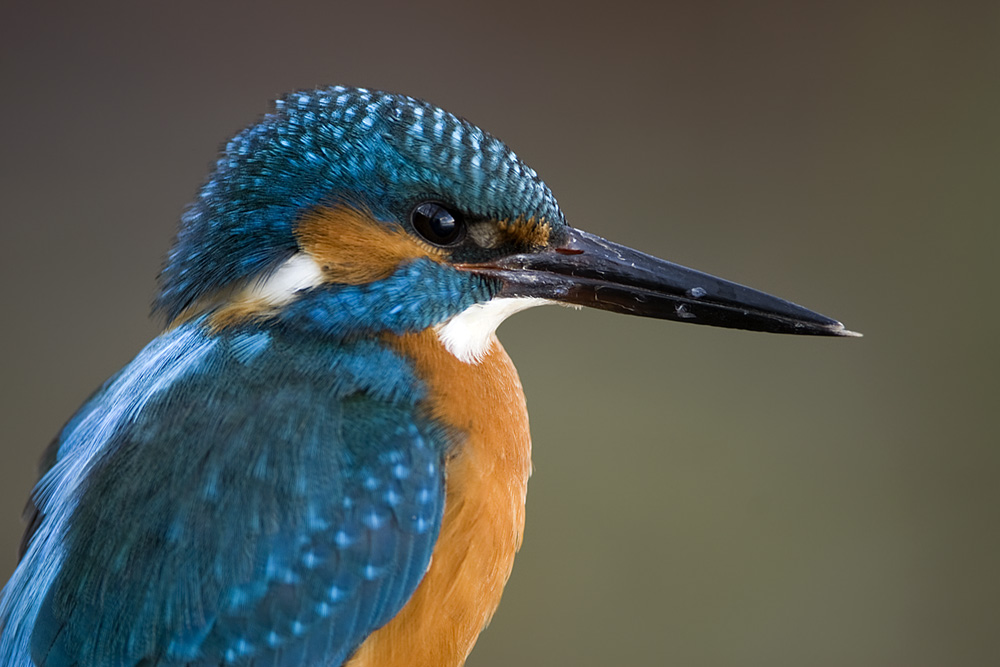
(436, 223)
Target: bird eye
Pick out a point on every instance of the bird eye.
(437, 224)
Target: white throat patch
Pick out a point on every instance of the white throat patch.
(470, 334)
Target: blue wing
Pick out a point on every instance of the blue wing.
(229, 500)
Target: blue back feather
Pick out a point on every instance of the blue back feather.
(276, 500)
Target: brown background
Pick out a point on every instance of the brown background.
(701, 497)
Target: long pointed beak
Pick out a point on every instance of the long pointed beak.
(587, 270)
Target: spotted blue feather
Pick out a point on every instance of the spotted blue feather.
(331, 146)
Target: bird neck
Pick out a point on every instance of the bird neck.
(483, 524)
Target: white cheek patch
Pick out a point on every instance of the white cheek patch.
(299, 272)
(470, 334)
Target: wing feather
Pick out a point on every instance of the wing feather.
(271, 511)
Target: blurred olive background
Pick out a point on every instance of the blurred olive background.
(700, 496)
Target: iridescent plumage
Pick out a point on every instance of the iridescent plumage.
(325, 454)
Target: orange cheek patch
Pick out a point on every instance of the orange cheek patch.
(528, 233)
(352, 248)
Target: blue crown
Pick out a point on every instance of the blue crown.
(332, 146)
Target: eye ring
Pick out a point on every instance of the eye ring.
(437, 224)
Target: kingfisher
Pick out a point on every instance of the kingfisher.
(323, 458)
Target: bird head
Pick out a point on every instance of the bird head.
(351, 212)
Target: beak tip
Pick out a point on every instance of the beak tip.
(839, 330)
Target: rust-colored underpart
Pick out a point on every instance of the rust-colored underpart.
(484, 509)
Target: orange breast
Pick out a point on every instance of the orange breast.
(484, 511)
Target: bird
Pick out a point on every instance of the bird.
(323, 458)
